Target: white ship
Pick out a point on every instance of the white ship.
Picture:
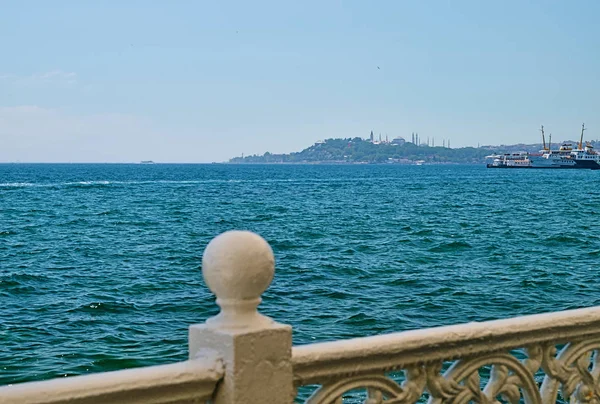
(510, 160)
(565, 157)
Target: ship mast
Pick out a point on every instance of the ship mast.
(581, 138)
(543, 138)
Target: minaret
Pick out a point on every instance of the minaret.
(372, 137)
(413, 137)
(379, 137)
(386, 138)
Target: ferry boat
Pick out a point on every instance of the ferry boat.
(586, 157)
(561, 158)
(565, 157)
(510, 160)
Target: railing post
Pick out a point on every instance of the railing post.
(238, 266)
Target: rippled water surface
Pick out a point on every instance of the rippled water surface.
(100, 264)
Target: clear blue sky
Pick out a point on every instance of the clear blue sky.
(191, 81)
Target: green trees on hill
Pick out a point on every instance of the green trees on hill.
(357, 150)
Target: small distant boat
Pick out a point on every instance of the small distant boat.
(147, 162)
(419, 162)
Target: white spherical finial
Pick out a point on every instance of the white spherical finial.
(238, 266)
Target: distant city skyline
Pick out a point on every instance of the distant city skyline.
(203, 82)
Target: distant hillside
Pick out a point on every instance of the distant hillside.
(358, 150)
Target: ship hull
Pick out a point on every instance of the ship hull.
(505, 166)
(538, 168)
(588, 165)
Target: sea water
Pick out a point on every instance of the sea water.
(100, 265)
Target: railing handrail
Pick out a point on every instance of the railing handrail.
(188, 381)
(313, 363)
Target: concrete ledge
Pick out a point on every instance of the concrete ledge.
(191, 381)
(316, 363)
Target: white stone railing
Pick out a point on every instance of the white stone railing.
(536, 376)
(241, 356)
(184, 382)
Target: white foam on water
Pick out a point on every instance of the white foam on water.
(18, 184)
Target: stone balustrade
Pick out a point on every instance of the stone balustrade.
(241, 356)
(518, 356)
(184, 382)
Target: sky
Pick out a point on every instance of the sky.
(200, 81)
